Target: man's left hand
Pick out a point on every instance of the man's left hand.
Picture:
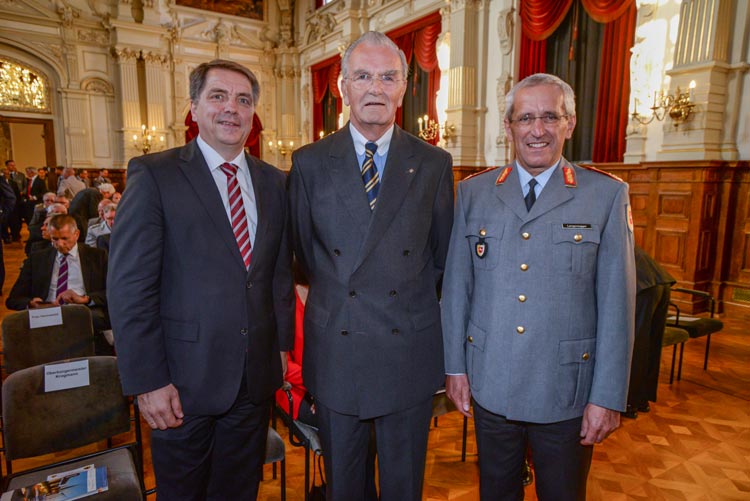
(70, 297)
(598, 423)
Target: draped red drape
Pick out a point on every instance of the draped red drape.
(418, 39)
(614, 88)
(325, 76)
(252, 142)
(540, 18)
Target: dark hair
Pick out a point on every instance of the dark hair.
(9, 161)
(60, 221)
(199, 74)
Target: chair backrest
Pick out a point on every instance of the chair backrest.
(24, 347)
(36, 423)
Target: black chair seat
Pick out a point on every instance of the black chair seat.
(698, 326)
(672, 337)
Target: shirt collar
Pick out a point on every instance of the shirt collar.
(524, 177)
(73, 253)
(384, 142)
(214, 160)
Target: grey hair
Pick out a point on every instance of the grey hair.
(373, 38)
(569, 97)
(109, 208)
(57, 208)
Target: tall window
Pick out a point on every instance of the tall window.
(21, 89)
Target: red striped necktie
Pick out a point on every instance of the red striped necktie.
(237, 211)
(62, 275)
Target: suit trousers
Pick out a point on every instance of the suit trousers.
(651, 307)
(213, 457)
(401, 442)
(561, 463)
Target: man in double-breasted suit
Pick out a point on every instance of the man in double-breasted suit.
(201, 294)
(371, 208)
(538, 302)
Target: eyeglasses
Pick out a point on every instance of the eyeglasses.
(362, 81)
(527, 120)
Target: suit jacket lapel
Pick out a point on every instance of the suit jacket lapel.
(344, 171)
(195, 170)
(85, 269)
(45, 278)
(401, 170)
(511, 194)
(258, 179)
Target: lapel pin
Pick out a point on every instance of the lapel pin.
(411, 171)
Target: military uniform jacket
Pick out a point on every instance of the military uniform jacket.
(538, 306)
(373, 344)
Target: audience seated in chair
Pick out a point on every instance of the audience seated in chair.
(104, 227)
(83, 280)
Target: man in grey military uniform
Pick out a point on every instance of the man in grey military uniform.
(538, 302)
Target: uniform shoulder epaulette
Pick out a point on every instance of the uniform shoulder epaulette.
(608, 174)
(490, 169)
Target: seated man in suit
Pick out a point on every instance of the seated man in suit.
(66, 273)
(40, 209)
(35, 230)
(103, 228)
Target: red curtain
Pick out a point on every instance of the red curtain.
(614, 88)
(252, 142)
(418, 39)
(325, 76)
(540, 18)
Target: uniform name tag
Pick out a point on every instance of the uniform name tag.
(576, 226)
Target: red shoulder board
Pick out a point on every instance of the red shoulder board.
(503, 176)
(569, 175)
(480, 173)
(608, 174)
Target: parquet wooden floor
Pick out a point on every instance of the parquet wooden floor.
(693, 445)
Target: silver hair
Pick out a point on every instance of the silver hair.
(569, 97)
(109, 208)
(373, 38)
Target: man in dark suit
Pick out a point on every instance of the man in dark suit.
(538, 303)
(83, 281)
(371, 210)
(12, 227)
(7, 204)
(202, 297)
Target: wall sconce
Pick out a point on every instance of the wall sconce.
(678, 106)
(280, 147)
(147, 141)
(429, 129)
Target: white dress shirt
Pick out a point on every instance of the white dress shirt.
(214, 161)
(75, 275)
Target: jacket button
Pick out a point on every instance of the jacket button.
(470, 339)
(585, 356)
(243, 332)
(526, 235)
(249, 284)
(393, 293)
(406, 252)
(352, 294)
(577, 237)
(522, 298)
(344, 333)
(524, 267)
(336, 252)
(395, 332)
(520, 329)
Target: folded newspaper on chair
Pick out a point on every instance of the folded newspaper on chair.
(67, 485)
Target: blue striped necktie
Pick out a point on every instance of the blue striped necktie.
(370, 174)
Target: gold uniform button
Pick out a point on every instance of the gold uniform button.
(482, 232)
(470, 339)
(520, 329)
(522, 298)
(577, 237)
(585, 356)
(526, 235)
(524, 267)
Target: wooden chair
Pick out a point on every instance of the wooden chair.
(38, 422)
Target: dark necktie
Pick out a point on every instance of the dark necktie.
(62, 275)
(530, 197)
(237, 210)
(370, 174)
